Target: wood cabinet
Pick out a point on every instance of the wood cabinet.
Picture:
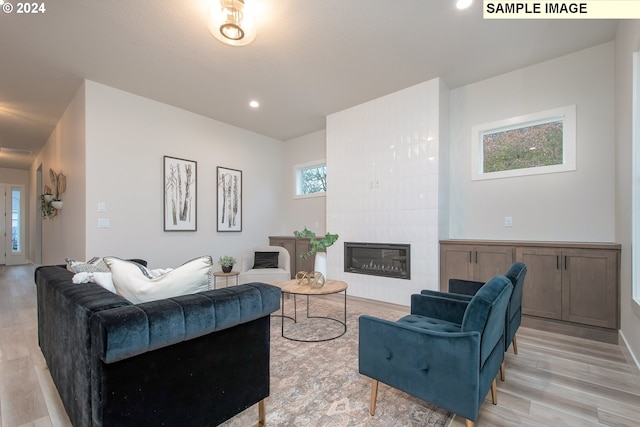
(578, 285)
(471, 261)
(570, 288)
(295, 246)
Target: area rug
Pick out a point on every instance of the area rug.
(318, 384)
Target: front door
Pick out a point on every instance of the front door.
(12, 223)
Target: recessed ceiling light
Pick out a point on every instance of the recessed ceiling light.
(254, 104)
(463, 4)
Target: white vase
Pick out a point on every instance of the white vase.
(321, 263)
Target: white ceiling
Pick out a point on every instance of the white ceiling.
(310, 58)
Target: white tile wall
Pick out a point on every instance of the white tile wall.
(384, 185)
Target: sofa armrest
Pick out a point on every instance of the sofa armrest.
(464, 287)
(442, 306)
(124, 332)
(449, 295)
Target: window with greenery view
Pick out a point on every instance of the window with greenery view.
(525, 147)
(311, 179)
(536, 143)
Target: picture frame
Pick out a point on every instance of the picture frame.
(180, 194)
(229, 199)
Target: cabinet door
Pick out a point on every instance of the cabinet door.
(289, 243)
(542, 290)
(455, 263)
(490, 261)
(302, 246)
(589, 287)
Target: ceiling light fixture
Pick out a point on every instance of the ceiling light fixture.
(463, 4)
(231, 22)
(254, 104)
(15, 151)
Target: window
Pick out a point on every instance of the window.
(537, 143)
(311, 179)
(635, 184)
(16, 241)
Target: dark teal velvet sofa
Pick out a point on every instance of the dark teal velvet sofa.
(192, 360)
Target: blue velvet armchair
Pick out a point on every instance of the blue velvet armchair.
(448, 351)
(516, 274)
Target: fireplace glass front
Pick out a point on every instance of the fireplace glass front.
(378, 259)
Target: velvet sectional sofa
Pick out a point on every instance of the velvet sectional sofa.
(192, 360)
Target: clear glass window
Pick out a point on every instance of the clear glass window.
(536, 143)
(16, 241)
(311, 179)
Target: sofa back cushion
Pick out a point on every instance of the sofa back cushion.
(486, 313)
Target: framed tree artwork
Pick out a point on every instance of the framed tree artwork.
(229, 216)
(180, 194)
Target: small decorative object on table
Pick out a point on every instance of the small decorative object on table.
(226, 262)
(315, 279)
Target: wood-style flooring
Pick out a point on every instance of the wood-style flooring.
(555, 380)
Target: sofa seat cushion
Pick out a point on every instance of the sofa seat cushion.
(423, 322)
(135, 283)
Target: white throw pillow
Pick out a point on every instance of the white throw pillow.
(102, 279)
(136, 284)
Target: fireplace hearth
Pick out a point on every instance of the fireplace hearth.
(378, 259)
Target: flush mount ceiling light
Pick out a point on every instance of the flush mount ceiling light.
(231, 22)
(463, 4)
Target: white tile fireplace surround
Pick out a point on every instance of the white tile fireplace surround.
(386, 172)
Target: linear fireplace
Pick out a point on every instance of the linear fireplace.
(378, 259)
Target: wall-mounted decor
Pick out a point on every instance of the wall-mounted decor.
(50, 201)
(180, 194)
(229, 216)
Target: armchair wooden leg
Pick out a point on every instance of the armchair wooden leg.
(262, 414)
(468, 423)
(374, 395)
(515, 345)
(502, 371)
(494, 392)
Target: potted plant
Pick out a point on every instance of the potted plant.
(315, 244)
(226, 262)
(46, 208)
(317, 247)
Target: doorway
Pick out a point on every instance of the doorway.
(12, 224)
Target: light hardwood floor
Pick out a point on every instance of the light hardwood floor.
(555, 380)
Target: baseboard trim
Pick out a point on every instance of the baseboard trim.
(576, 330)
(628, 348)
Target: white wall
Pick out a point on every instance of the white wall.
(383, 185)
(127, 137)
(14, 176)
(627, 41)
(570, 206)
(307, 212)
(64, 235)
